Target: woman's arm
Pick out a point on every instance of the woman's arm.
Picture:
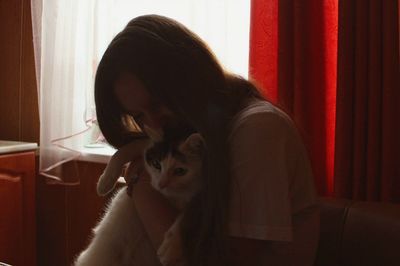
(264, 150)
(155, 212)
(254, 252)
(243, 251)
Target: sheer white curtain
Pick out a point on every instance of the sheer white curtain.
(70, 36)
(64, 51)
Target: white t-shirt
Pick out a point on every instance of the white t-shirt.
(273, 194)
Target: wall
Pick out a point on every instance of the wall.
(19, 116)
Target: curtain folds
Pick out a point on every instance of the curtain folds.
(368, 121)
(334, 66)
(63, 41)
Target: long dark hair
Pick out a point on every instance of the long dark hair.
(178, 68)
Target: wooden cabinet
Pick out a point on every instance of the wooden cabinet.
(67, 214)
(17, 209)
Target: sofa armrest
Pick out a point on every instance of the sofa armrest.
(358, 233)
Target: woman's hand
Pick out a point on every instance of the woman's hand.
(170, 251)
(155, 211)
(133, 173)
(129, 152)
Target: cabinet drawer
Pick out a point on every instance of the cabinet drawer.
(17, 209)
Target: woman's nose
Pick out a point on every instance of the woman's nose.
(154, 122)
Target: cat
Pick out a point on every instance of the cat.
(175, 166)
(174, 163)
(175, 171)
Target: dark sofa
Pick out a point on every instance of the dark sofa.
(357, 233)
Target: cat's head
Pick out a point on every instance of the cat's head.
(175, 164)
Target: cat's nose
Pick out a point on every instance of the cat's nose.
(163, 183)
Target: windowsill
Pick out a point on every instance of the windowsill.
(97, 155)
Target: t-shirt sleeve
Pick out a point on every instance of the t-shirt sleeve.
(261, 159)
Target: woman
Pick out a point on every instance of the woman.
(257, 205)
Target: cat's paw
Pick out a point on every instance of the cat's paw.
(105, 184)
(110, 176)
(170, 251)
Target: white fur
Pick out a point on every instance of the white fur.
(114, 238)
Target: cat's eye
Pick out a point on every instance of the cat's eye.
(180, 171)
(156, 164)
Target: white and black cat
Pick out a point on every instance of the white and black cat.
(174, 163)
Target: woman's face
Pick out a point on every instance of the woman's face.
(136, 101)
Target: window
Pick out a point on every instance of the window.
(70, 37)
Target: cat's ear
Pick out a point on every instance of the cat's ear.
(153, 135)
(194, 144)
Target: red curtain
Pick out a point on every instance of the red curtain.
(293, 47)
(333, 65)
(367, 164)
